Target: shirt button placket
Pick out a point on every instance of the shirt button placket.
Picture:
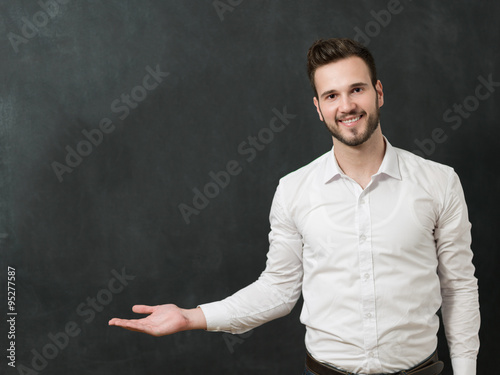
(365, 250)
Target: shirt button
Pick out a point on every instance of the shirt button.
(366, 276)
(362, 238)
(371, 354)
(369, 315)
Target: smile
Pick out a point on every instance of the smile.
(352, 121)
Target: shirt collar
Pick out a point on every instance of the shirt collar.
(389, 166)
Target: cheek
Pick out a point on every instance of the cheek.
(369, 105)
(329, 111)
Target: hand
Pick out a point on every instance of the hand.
(163, 320)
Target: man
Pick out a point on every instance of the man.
(376, 239)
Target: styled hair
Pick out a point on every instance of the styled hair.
(323, 52)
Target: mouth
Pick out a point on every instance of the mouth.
(350, 121)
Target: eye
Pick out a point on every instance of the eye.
(357, 90)
(331, 96)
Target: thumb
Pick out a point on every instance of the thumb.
(143, 309)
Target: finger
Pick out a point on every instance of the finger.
(136, 326)
(131, 325)
(140, 309)
(118, 322)
(143, 309)
(115, 321)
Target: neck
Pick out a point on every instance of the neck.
(361, 162)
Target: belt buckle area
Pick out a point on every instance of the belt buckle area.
(430, 366)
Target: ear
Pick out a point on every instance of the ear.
(380, 93)
(318, 109)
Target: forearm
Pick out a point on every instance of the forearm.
(460, 309)
(252, 306)
(461, 320)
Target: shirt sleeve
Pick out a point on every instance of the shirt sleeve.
(277, 289)
(459, 290)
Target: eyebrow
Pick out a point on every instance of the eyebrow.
(357, 84)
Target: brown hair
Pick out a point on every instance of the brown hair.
(323, 52)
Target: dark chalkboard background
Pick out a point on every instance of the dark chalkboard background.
(64, 68)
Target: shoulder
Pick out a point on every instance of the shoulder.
(314, 170)
(414, 166)
(438, 180)
(295, 187)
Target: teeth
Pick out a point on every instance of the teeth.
(351, 120)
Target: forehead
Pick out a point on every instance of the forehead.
(342, 73)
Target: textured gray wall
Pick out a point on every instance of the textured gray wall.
(116, 115)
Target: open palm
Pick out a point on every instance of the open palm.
(162, 320)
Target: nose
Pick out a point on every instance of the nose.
(346, 104)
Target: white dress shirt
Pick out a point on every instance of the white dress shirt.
(374, 266)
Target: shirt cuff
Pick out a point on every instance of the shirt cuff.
(216, 316)
(463, 366)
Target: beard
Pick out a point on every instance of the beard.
(360, 137)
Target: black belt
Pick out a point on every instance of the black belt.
(431, 366)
